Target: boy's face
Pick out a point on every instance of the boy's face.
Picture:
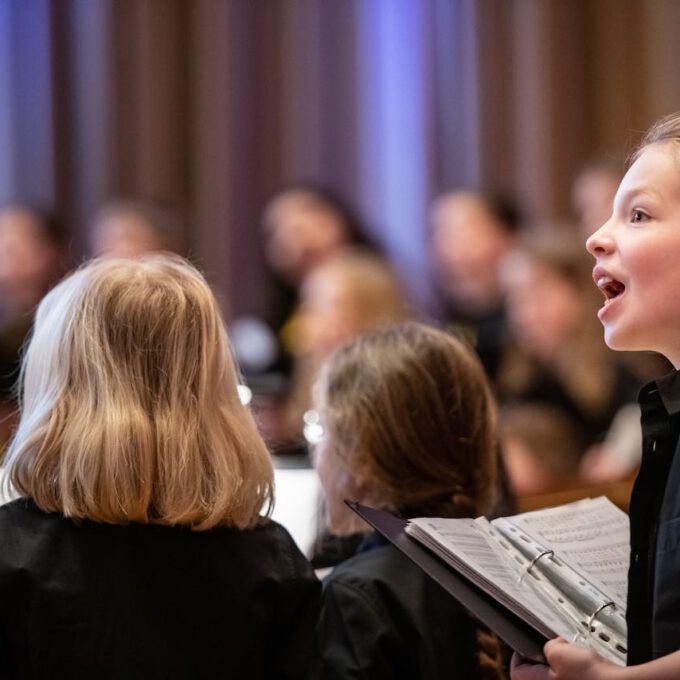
(638, 257)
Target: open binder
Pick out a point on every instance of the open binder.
(518, 575)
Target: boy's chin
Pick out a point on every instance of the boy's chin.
(620, 341)
(617, 340)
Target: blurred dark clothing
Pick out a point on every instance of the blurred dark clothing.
(383, 617)
(589, 425)
(486, 334)
(80, 599)
(330, 550)
(13, 334)
(283, 300)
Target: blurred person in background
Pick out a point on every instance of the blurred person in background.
(32, 259)
(302, 226)
(540, 446)
(558, 358)
(471, 231)
(592, 194)
(352, 292)
(409, 427)
(130, 228)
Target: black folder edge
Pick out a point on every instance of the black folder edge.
(509, 627)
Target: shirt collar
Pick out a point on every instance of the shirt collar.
(372, 540)
(667, 389)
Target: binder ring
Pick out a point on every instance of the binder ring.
(594, 615)
(530, 566)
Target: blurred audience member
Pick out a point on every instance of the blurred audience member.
(130, 228)
(349, 293)
(32, 259)
(302, 225)
(618, 456)
(409, 427)
(540, 448)
(558, 358)
(592, 194)
(471, 232)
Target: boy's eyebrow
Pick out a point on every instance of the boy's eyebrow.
(635, 192)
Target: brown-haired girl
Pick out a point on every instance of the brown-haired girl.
(137, 548)
(409, 426)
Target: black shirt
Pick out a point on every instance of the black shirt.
(383, 618)
(87, 600)
(653, 611)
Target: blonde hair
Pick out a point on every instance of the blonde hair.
(666, 129)
(409, 408)
(370, 284)
(129, 403)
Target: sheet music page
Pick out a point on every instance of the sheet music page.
(592, 536)
(463, 539)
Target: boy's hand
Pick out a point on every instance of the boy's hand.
(523, 669)
(565, 662)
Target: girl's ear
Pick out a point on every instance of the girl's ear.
(367, 486)
(360, 475)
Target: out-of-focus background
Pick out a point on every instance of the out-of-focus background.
(212, 105)
(335, 165)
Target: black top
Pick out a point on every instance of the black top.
(654, 576)
(486, 333)
(87, 600)
(13, 334)
(383, 617)
(587, 427)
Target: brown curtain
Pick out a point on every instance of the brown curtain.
(211, 105)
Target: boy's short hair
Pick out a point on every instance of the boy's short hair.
(130, 408)
(666, 129)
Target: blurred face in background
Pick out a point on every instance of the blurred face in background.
(545, 309)
(468, 242)
(28, 258)
(329, 312)
(301, 238)
(350, 293)
(124, 234)
(593, 194)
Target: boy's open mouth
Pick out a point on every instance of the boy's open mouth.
(610, 287)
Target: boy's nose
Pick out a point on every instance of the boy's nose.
(600, 242)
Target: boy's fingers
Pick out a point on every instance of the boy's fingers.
(553, 645)
(524, 669)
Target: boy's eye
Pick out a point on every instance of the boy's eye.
(638, 216)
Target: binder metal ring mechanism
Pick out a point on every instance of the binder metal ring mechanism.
(530, 566)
